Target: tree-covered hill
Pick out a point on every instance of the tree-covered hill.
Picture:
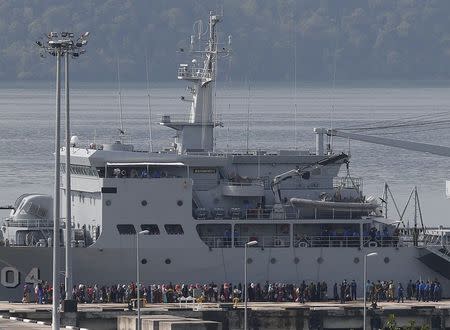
(366, 39)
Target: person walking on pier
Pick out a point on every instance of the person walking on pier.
(400, 293)
(391, 291)
(353, 290)
(343, 291)
(335, 292)
(437, 291)
(422, 287)
(418, 290)
(409, 290)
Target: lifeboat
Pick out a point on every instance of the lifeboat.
(369, 205)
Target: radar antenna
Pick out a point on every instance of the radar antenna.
(195, 133)
(120, 129)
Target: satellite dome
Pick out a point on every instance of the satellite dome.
(74, 140)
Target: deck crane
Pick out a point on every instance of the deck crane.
(304, 173)
(407, 145)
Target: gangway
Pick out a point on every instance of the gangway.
(436, 258)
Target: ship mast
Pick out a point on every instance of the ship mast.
(195, 133)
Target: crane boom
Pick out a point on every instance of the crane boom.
(408, 145)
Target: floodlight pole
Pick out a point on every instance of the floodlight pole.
(247, 244)
(138, 288)
(61, 47)
(364, 286)
(68, 236)
(56, 199)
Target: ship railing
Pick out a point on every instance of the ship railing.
(348, 182)
(217, 241)
(258, 213)
(30, 223)
(346, 241)
(188, 72)
(275, 241)
(243, 184)
(305, 241)
(388, 241)
(327, 241)
(189, 118)
(263, 241)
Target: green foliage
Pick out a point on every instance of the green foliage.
(391, 324)
(369, 39)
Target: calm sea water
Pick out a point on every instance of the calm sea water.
(277, 120)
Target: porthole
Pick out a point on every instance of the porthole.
(144, 203)
(168, 261)
(144, 261)
(319, 260)
(356, 260)
(296, 260)
(180, 203)
(108, 202)
(386, 260)
(249, 260)
(273, 260)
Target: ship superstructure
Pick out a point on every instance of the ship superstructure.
(201, 206)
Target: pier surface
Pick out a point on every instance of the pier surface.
(262, 315)
(408, 304)
(12, 325)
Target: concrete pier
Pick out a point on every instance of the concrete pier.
(166, 322)
(318, 315)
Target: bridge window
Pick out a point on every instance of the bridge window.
(152, 229)
(174, 229)
(126, 229)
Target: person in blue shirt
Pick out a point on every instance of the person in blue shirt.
(400, 293)
(422, 288)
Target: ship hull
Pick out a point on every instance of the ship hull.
(201, 265)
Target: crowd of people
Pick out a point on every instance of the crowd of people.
(419, 290)
(389, 291)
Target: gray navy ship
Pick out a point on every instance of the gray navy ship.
(200, 206)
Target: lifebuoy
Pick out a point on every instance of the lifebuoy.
(373, 244)
(123, 172)
(278, 242)
(303, 244)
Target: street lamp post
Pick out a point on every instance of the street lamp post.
(56, 199)
(364, 286)
(143, 232)
(251, 243)
(68, 234)
(60, 44)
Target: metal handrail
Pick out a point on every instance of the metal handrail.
(263, 241)
(327, 241)
(306, 241)
(183, 118)
(31, 223)
(193, 72)
(243, 184)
